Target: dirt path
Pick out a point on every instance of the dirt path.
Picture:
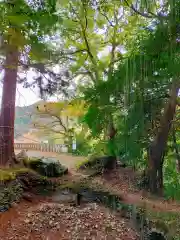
(121, 183)
(50, 221)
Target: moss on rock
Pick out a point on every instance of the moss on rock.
(16, 181)
(8, 174)
(97, 163)
(47, 167)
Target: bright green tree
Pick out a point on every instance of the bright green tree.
(93, 35)
(145, 89)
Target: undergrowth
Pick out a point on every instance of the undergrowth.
(11, 173)
(171, 179)
(166, 221)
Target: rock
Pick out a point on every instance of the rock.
(22, 157)
(50, 222)
(121, 164)
(26, 196)
(100, 163)
(155, 235)
(27, 220)
(14, 204)
(47, 167)
(4, 208)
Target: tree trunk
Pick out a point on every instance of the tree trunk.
(158, 146)
(8, 107)
(111, 140)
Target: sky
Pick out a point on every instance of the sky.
(25, 96)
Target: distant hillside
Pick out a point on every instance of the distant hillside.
(23, 119)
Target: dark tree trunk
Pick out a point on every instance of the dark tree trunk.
(8, 107)
(157, 148)
(175, 146)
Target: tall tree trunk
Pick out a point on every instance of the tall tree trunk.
(175, 146)
(157, 148)
(8, 106)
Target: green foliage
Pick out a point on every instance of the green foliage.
(95, 120)
(171, 179)
(10, 193)
(30, 20)
(83, 143)
(91, 33)
(164, 221)
(97, 148)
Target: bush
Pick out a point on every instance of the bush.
(10, 193)
(171, 179)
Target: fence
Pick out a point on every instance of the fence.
(43, 147)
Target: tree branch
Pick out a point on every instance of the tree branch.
(106, 17)
(146, 15)
(114, 45)
(84, 28)
(51, 130)
(55, 116)
(89, 73)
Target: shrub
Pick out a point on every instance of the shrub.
(171, 179)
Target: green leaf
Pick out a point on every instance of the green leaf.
(18, 20)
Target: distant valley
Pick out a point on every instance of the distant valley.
(23, 119)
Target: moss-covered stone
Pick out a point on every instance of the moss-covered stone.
(8, 174)
(47, 167)
(21, 157)
(16, 181)
(98, 163)
(166, 222)
(36, 183)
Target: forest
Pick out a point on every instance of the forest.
(115, 64)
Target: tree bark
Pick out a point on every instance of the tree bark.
(157, 148)
(7, 115)
(111, 140)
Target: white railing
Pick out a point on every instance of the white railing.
(43, 147)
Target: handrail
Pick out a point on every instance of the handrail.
(43, 147)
